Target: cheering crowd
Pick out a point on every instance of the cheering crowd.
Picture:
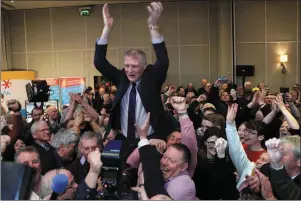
(221, 141)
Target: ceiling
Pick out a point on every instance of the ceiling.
(22, 4)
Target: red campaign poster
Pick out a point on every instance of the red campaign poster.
(71, 85)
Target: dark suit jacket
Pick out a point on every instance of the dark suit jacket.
(49, 159)
(153, 178)
(284, 187)
(149, 88)
(78, 170)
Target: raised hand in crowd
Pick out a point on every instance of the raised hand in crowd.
(265, 186)
(13, 105)
(142, 131)
(94, 159)
(274, 152)
(5, 140)
(232, 111)
(160, 144)
(221, 145)
(202, 98)
(3, 123)
(140, 187)
(154, 10)
(179, 104)
(108, 20)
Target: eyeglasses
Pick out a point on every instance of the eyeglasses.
(36, 115)
(249, 132)
(210, 143)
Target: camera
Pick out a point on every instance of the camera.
(110, 172)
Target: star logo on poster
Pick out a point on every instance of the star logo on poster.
(6, 84)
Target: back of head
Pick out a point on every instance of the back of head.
(216, 119)
(160, 197)
(64, 137)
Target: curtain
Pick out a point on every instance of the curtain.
(5, 42)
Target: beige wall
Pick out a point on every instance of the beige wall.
(264, 30)
(57, 42)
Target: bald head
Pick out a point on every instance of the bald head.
(204, 82)
(46, 189)
(160, 197)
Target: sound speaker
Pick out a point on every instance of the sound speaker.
(245, 70)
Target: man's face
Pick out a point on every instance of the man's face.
(175, 137)
(204, 82)
(172, 163)
(87, 146)
(182, 92)
(36, 114)
(288, 159)
(263, 159)
(69, 194)
(42, 133)
(240, 91)
(269, 99)
(133, 68)
(101, 91)
(32, 160)
(208, 87)
(189, 86)
(69, 152)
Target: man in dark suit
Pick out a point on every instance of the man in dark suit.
(138, 84)
(284, 168)
(49, 158)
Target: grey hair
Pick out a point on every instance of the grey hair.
(29, 149)
(36, 125)
(64, 137)
(135, 53)
(88, 135)
(294, 140)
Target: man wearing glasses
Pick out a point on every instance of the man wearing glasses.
(42, 135)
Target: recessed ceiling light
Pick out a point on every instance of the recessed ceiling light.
(12, 1)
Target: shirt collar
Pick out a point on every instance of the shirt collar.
(82, 160)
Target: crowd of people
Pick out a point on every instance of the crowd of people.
(221, 141)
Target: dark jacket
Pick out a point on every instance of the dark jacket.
(284, 187)
(149, 88)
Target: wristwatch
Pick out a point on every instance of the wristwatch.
(156, 27)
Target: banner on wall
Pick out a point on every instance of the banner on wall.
(54, 87)
(71, 85)
(13, 86)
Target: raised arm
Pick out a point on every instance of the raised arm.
(161, 65)
(292, 122)
(187, 130)
(237, 154)
(100, 61)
